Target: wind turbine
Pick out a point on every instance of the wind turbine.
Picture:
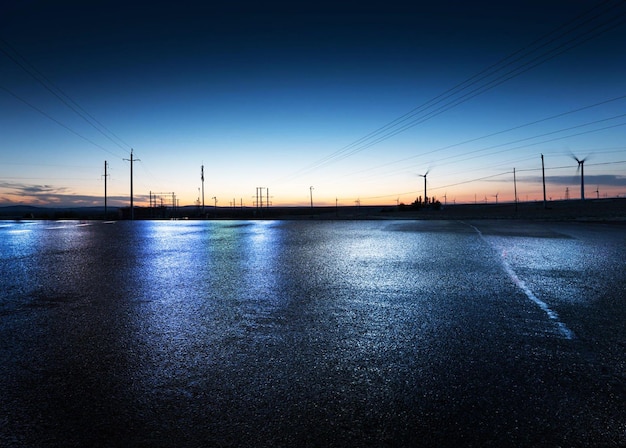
(496, 196)
(424, 176)
(581, 168)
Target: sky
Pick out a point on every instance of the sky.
(340, 103)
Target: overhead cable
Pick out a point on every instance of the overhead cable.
(50, 117)
(29, 68)
(425, 111)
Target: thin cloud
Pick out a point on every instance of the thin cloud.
(20, 189)
(608, 180)
(42, 189)
(12, 193)
(31, 189)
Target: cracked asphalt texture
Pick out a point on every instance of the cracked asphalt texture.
(309, 333)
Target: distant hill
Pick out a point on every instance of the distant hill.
(610, 209)
(34, 212)
(19, 208)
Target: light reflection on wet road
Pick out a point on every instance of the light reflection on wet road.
(286, 333)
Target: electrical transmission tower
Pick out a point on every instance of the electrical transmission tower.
(259, 197)
(156, 197)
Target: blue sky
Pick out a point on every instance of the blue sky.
(288, 96)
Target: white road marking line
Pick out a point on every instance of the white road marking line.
(566, 332)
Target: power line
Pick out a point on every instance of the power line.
(572, 165)
(549, 140)
(472, 180)
(535, 143)
(462, 99)
(60, 94)
(493, 134)
(438, 188)
(57, 121)
(395, 127)
(523, 170)
(515, 128)
(538, 136)
(490, 177)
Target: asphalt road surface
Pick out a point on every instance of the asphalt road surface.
(301, 333)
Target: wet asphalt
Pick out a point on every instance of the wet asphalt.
(304, 333)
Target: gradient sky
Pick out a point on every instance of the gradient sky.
(288, 96)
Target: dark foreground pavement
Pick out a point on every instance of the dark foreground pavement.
(313, 334)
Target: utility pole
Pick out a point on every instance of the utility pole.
(131, 160)
(515, 189)
(202, 179)
(543, 175)
(311, 192)
(105, 188)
